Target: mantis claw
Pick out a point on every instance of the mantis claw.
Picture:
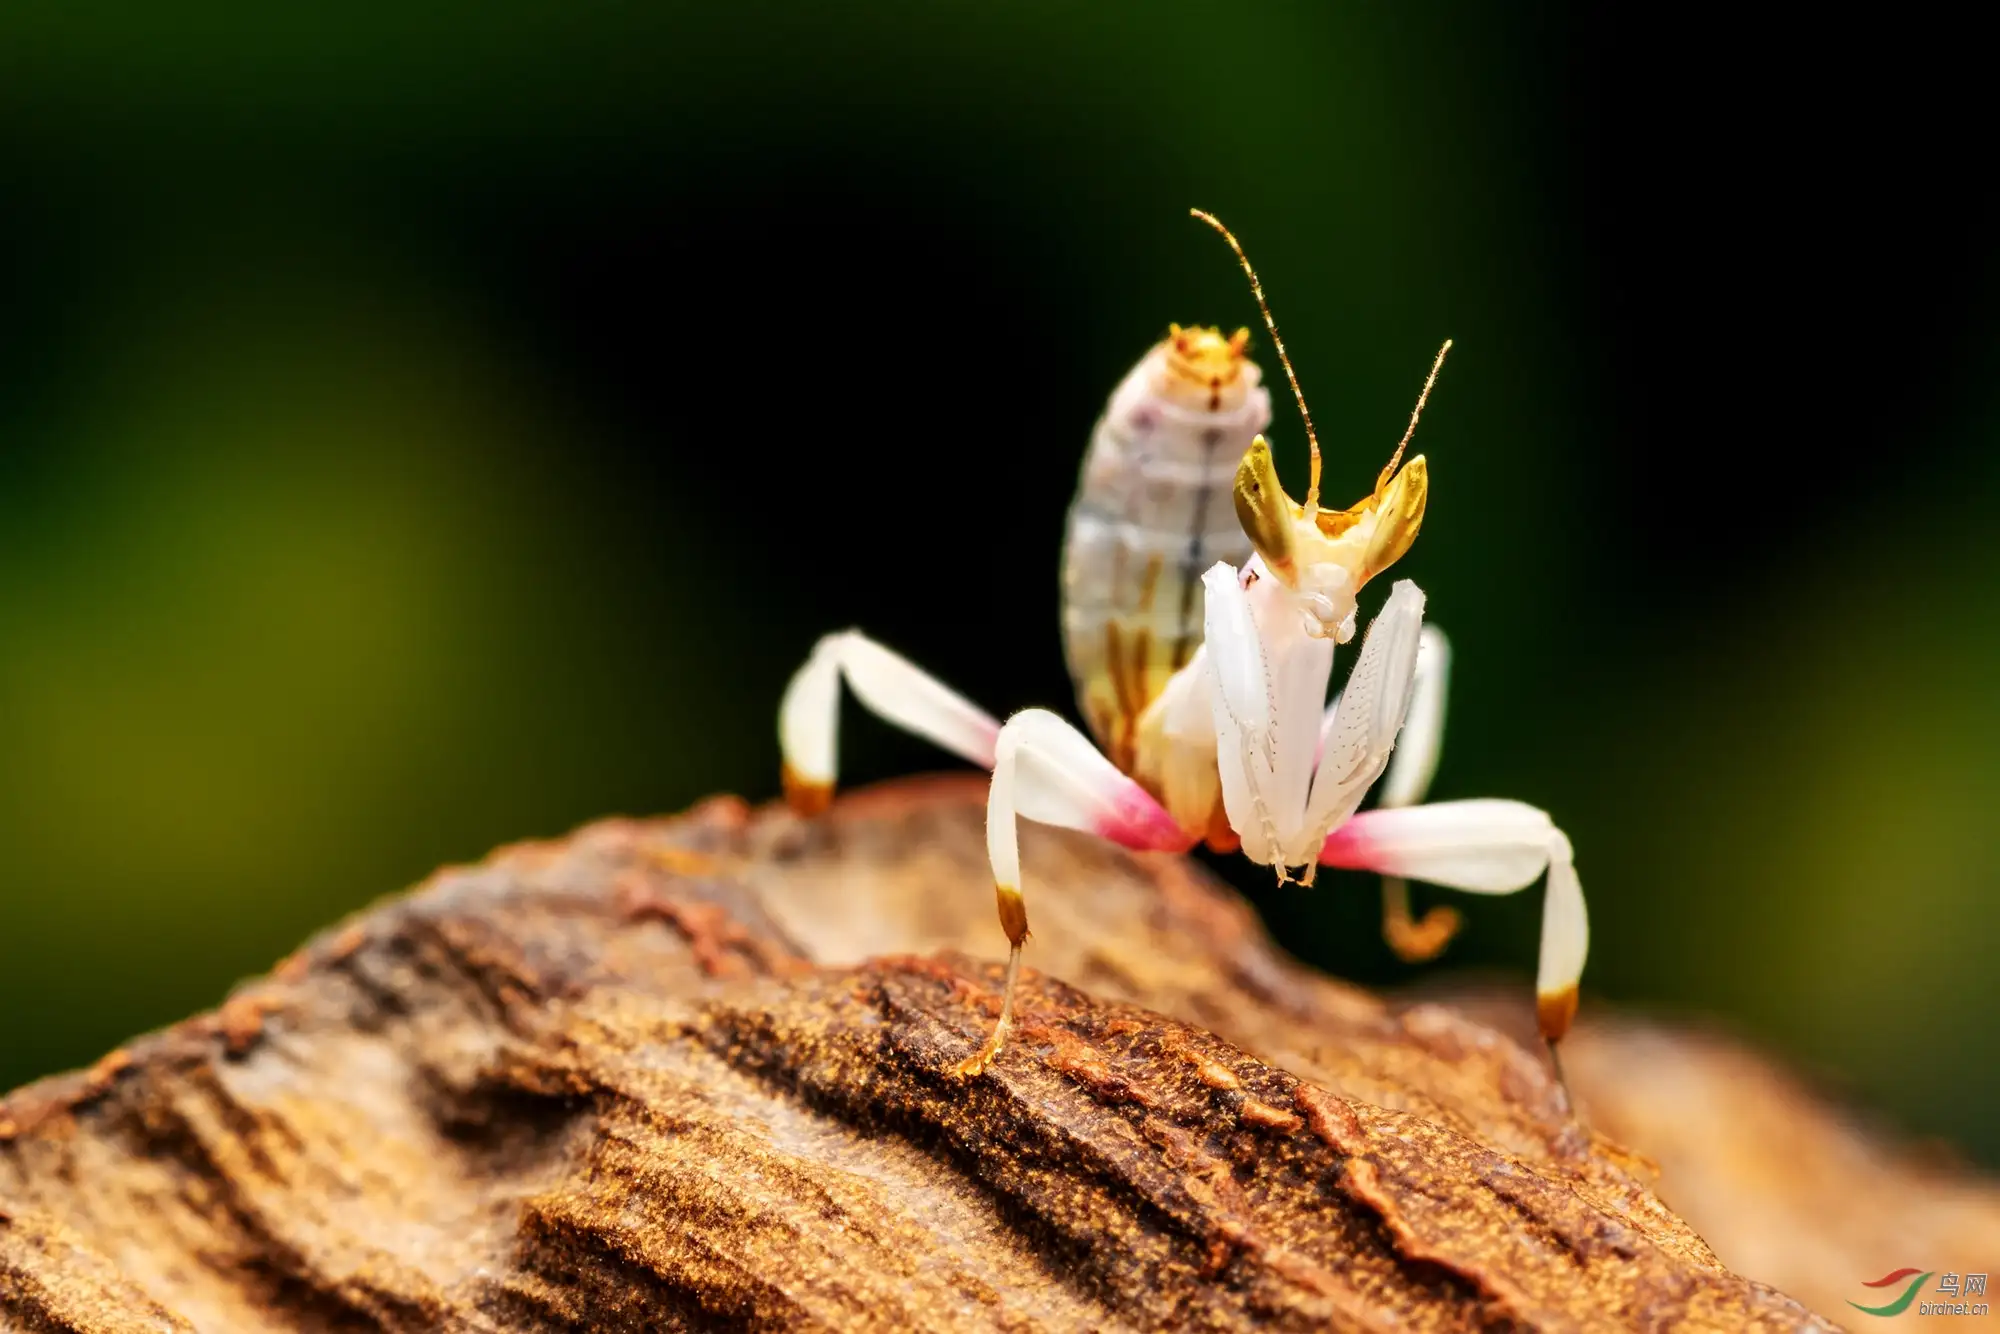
(1415, 940)
(976, 1064)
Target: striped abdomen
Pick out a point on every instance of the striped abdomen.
(1152, 512)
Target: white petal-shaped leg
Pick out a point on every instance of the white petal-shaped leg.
(1046, 770)
(1485, 847)
(893, 688)
(1362, 734)
(1411, 769)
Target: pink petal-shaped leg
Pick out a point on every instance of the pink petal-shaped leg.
(1484, 847)
(1045, 770)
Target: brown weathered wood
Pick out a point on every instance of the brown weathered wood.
(692, 1074)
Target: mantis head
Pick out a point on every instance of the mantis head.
(1322, 556)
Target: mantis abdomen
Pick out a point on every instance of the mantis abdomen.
(1152, 513)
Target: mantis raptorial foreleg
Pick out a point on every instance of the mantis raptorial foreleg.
(1358, 741)
(1256, 700)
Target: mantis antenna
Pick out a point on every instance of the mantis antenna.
(1257, 289)
(1389, 469)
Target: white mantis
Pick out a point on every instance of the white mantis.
(1243, 729)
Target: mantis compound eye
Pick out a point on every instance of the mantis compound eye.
(1399, 514)
(1266, 512)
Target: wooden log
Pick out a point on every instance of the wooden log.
(694, 1073)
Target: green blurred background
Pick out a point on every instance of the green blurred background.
(423, 431)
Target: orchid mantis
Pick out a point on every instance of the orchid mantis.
(1239, 746)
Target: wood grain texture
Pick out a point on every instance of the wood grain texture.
(692, 1073)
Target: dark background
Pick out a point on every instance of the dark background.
(423, 431)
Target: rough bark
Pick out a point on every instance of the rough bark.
(693, 1074)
